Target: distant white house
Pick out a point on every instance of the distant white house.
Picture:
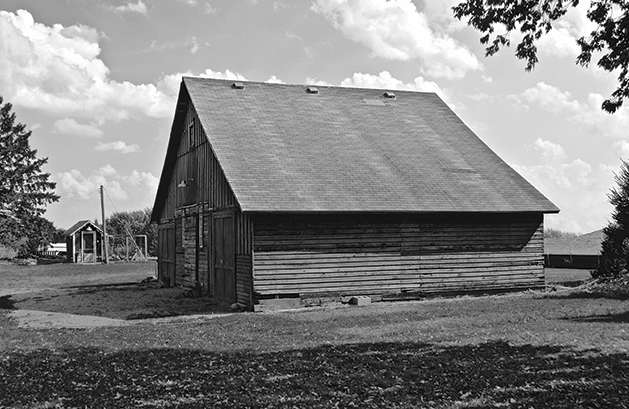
(53, 249)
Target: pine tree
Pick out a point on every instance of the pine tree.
(24, 189)
(615, 246)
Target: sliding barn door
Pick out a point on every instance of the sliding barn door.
(223, 256)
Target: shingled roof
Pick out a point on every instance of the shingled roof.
(285, 149)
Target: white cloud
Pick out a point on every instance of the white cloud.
(588, 113)
(577, 188)
(561, 41)
(135, 186)
(209, 9)
(547, 97)
(56, 69)
(142, 179)
(77, 186)
(385, 80)
(396, 30)
(549, 150)
(195, 45)
(274, 80)
(120, 146)
(138, 7)
(622, 147)
(314, 81)
(69, 126)
(227, 75)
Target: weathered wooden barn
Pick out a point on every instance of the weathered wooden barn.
(272, 191)
(84, 242)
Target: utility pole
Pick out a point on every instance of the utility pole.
(104, 241)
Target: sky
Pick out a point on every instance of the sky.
(97, 82)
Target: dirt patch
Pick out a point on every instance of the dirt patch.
(116, 302)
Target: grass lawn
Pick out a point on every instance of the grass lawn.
(564, 349)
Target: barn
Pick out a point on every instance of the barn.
(276, 191)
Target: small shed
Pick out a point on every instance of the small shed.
(84, 242)
(574, 252)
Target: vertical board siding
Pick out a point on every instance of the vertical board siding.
(206, 190)
(388, 255)
(198, 167)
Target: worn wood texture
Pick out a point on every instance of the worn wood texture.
(397, 255)
(197, 176)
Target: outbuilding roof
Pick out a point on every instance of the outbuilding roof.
(80, 225)
(294, 148)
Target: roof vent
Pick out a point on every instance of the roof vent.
(312, 90)
(238, 85)
(389, 94)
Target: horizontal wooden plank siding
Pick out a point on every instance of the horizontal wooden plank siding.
(396, 254)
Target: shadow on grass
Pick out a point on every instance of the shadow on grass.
(578, 294)
(619, 318)
(6, 303)
(362, 375)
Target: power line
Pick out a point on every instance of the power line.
(78, 193)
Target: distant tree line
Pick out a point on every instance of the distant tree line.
(130, 224)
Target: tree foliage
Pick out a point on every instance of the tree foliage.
(556, 233)
(24, 189)
(534, 18)
(129, 224)
(615, 245)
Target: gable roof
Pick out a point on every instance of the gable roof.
(283, 149)
(80, 225)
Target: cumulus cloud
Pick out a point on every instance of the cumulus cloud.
(561, 41)
(577, 188)
(142, 179)
(547, 97)
(195, 45)
(274, 80)
(549, 149)
(588, 113)
(78, 186)
(69, 126)
(134, 186)
(57, 69)
(622, 147)
(396, 30)
(138, 7)
(314, 81)
(385, 80)
(119, 146)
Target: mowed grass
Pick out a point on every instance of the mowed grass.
(561, 349)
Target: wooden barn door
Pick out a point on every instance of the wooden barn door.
(223, 256)
(166, 249)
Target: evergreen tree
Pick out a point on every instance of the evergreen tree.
(615, 245)
(24, 189)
